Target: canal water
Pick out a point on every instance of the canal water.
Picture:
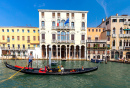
(110, 75)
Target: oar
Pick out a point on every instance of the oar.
(14, 74)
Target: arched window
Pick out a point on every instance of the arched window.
(43, 23)
(62, 23)
(63, 35)
(72, 24)
(127, 43)
(114, 30)
(83, 24)
(113, 42)
(124, 42)
(120, 43)
(53, 23)
(121, 30)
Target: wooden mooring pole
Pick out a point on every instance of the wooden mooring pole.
(37, 61)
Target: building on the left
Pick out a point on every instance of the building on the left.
(19, 41)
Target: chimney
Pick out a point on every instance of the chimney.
(103, 20)
(117, 14)
(106, 17)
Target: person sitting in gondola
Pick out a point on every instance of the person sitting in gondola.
(82, 68)
(62, 69)
(48, 69)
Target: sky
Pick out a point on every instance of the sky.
(25, 12)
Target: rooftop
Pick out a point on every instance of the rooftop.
(46, 10)
(17, 27)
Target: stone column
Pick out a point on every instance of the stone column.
(69, 51)
(74, 52)
(60, 51)
(66, 51)
(79, 52)
(85, 52)
(60, 36)
(57, 51)
(52, 51)
(46, 51)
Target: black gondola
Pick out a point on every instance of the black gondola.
(54, 71)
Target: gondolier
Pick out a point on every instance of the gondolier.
(30, 58)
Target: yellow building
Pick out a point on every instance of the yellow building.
(17, 40)
(96, 43)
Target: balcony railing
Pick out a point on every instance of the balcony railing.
(53, 41)
(62, 27)
(43, 40)
(127, 47)
(83, 28)
(114, 35)
(82, 41)
(28, 41)
(113, 47)
(72, 41)
(16, 48)
(120, 47)
(43, 28)
(127, 22)
(126, 35)
(96, 40)
(121, 35)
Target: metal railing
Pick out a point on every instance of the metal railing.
(43, 40)
(120, 47)
(53, 41)
(114, 35)
(113, 47)
(121, 35)
(82, 41)
(16, 48)
(96, 40)
(83, 28)
(126, 35)
(62, 27)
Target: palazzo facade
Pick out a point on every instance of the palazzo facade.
(65, 32)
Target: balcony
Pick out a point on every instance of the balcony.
(43, 40)
(127, 47)
(28, 41)
(82, 28)
(8, 40)
(82, 41)
(120, 47)
(127, 22)
(62, 27)
(114, 35)
(16, 48)
(53, 41)
(72, 17)
(127, 35)
(113, 47)
(72, 41)
(83, 17)
(121, 35)
(43, 28)
(95, 41)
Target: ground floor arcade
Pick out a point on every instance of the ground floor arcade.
(64, 51)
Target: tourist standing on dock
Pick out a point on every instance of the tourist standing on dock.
(30, 58)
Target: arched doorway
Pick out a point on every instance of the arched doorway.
(82, 51)
(116, 55)
(77, 51)
(128, 55)
(63, 51)
(43, 51)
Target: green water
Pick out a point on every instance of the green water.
(110, 75)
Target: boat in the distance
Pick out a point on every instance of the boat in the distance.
(97, 60)
(55, 71)
(54, 63)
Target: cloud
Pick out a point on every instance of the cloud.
(41, 5)
(104, 5)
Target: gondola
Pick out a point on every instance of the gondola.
(97, 60)
(39, 71)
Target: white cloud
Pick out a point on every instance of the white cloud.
(41, 5)
(104, 5)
